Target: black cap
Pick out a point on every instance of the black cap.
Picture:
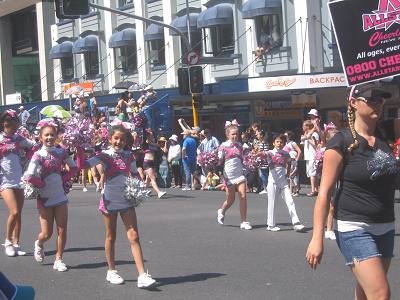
(369, 91)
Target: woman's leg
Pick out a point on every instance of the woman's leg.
(14, 199)
(141, 173)
(110, 222)
(46, 218)
(243, 201)
(61, 217)
(230, 198)
(372, 283)
(151, 173)
(130, 222)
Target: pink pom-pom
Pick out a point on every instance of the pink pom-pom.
(139, 120)
(208, 160)
(79, 132)
(253, 161)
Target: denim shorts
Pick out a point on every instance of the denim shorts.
(359, 245)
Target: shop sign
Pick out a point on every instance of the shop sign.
(297, 82)
(368, 36)
(77, 88)
(281, 114)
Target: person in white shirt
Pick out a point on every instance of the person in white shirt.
(174, 160)
(23, 116)
(310, 139)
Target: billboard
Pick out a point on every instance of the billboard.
(368, 36)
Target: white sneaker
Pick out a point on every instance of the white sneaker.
(220, 217)
(113, 277)
(298, 227)
(330, 235)
(85, 190)
(38, 252)
(160, 194)
(245, 225)
(145, 281)
(186, 189)
(60, 266)
(273, 228)
(263, 192)
(8, 248)
(18, 250)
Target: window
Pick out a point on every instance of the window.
(268, 30)
(157, 52)
(219, 40)
(126, 59)
(122, 3)
(67, 68)
(91, 64)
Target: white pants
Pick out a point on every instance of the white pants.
(273, 191)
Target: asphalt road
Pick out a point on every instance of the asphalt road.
(188, 253)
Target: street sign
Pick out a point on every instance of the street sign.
(368, 33)
(192, 58)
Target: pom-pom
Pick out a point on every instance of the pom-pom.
(22, 131)
(253, 161)
(139, 120)
(135, 191)
(31, 191)
(79, 132)
(208, 160)
(67, 185)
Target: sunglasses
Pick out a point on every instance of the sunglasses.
(372, 100)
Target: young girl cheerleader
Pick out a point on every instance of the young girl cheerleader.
(47, 171)
(151, 162)
(12, 148)
(230, 154)
(279, 164)
(115, 165)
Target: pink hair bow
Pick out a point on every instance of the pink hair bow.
(47, 122)
(231, 123)
(329, 126)
(126, 125)
(11, 113)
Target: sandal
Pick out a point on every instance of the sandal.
(312, 194)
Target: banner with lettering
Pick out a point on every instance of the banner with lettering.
(368, 36)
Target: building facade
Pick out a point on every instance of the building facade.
(297, 69)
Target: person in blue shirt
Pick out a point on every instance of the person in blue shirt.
(189, 152)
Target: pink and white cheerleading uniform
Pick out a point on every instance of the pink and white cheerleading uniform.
(230, 154)
(12, 150)
(278, 184)
(117, 166)
(45, 171)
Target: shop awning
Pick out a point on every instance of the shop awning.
(86, 44)
(62, 50)
(256, 8)
(181, 23)
(154, 32)
(126, 37)
(221, 14)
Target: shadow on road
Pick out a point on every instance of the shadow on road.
(52, 252)
(182, 279)
(102, 264)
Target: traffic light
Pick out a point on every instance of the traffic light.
(197, 100)
(196, 79)
(183, 81)
(71, 9)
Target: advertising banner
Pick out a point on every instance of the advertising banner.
(368, 36)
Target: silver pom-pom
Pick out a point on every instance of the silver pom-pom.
(135, 191)
(30, 191)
